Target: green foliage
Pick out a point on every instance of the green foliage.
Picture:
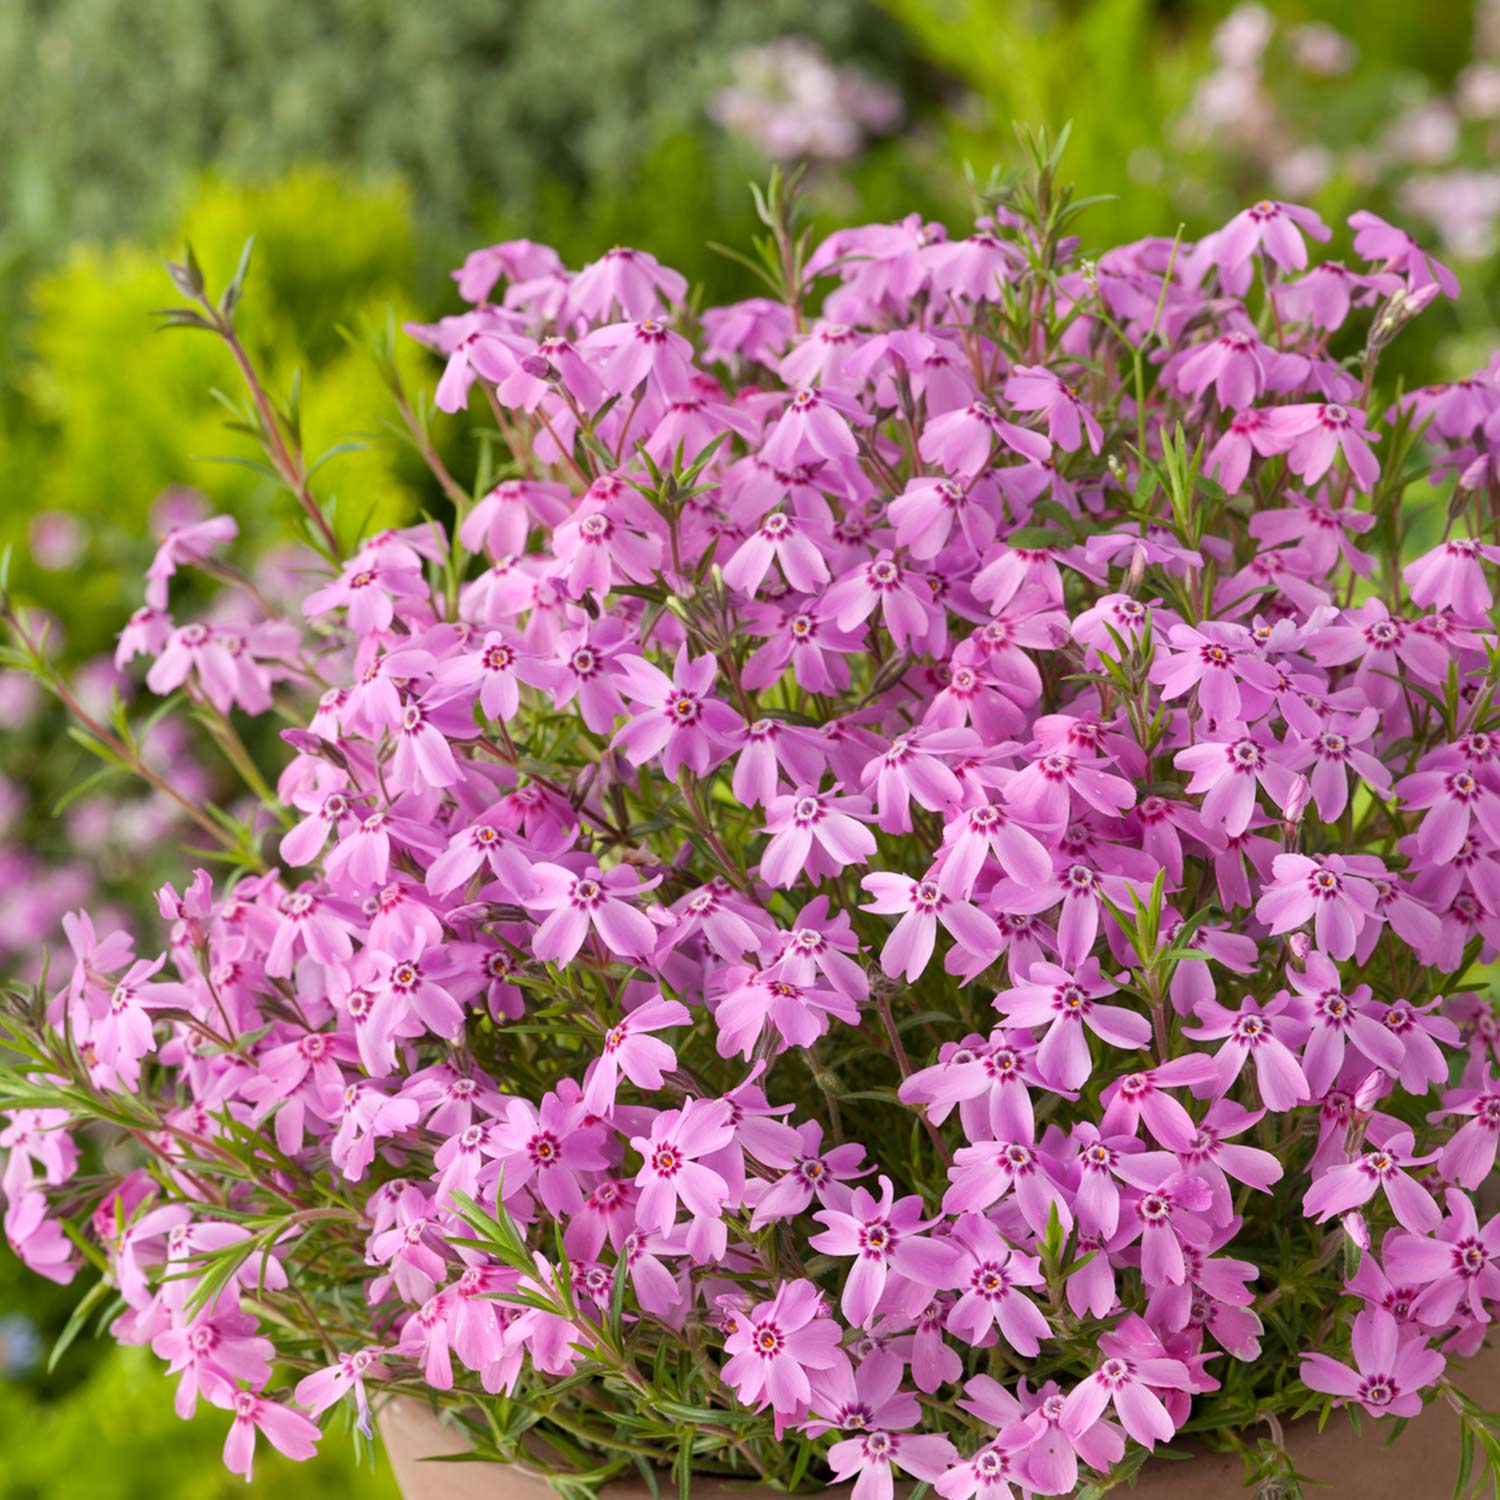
(114, 1436)
(112, 103)
(106, 413)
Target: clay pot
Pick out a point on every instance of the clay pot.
(1422, 1464)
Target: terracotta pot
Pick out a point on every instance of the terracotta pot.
(1422, 1464)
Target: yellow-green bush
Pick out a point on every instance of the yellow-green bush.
(106, 412)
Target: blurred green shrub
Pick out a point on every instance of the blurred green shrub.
(116, 1437)
(104, 413)
(111, 104)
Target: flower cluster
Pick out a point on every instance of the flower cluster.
(906, 877)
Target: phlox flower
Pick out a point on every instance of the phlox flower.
(990, 1274)
(670, 1172)
(1042, 792)
(1035, 388)
(185, 544)
(1250, 433)
(1452, 576)
(962, 442)
(791, 544)
(1335, 752)
(1276, 229)
(1129, 1383)
(1225, 773)
(1325, 891)
(629, 1048)
(772, 1348)
(1457, 1270)
(548, 1149)
(798, 1013)
(885, 1237)
(1221, 663)
(1469, 1156)
(576, 902)
(815, 425)
(883, 584)
(287, 1431)
(815, 831)
(1251, 1033)
(874, 1455)
(678, 721)
(924, 904)
(213, 1351)
(815, 1173)
(1166, 1215)
(1379, 1170)
(1065, 1004)
(1389, 1375)
(1335, 1021)
(1376, 240)
(986, 1173)
(926, 511)
(367, 590)
(1315, 432)
(633, 281)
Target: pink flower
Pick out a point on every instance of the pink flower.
(985, 1174)
(185, 544)
(1374, 239)
(1338, 902)
(923, 905)
(287, 1431)
(548, 1150)
(1249, 1033)
(926, 511)
(634, 352)
(503, 519)
(575, 903)
(815, 1174)
(1042, 792)
(779, 538)
(367, 589)
(1452, 577)
(1238, 366)
(633, 281)
(1250, 432)
(670, 1171)
(1455, 1270)
(1220, 662)
(1272, 228)
(1390, 1374)
(883, 584)
(989, 1275)
(629, 1048)
(1035, 388)
(1228, 771)
(1469, 1156)
(815, 425)
(1315, 432)
(1168, 1216)
(885, 1238)
(1127, 1383)
(1345, 1187)
(772, 1348)
(874, 1455)
(814, 831)
(1064, 1004)
(962, 442)
(681, 724)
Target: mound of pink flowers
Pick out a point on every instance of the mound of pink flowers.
(903, 892)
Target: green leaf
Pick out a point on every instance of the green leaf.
(74, 1326)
